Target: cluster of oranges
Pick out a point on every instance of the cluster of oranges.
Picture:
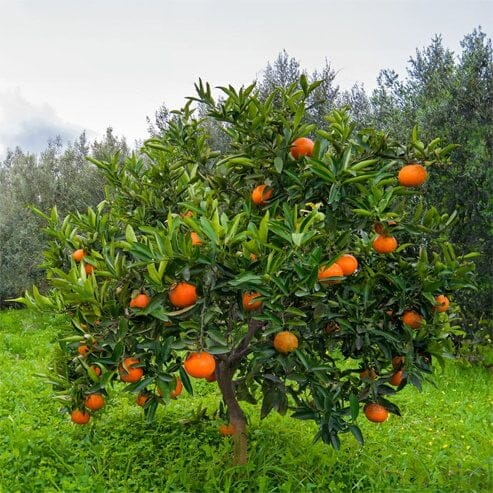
(92, 402)
(410, 175)
(411, 318)
(78, 255)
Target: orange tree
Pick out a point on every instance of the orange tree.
(293, 268)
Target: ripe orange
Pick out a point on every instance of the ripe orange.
(247, 301)
(200, 364)
(78, 255)
(83, 349)
(89, 268)
(260, 196)
(375, 412)
(412, 319)
(81, 417)
(398, 362)
(302, 146)
(285, 342)
(128, 372)
(412, 175)
(348, 263)
(397, 378)
(385, 244)
(196, 241)
(334, 270)
(227, 430)
(96, 370)
(443, 303)
(178, 389)
(94, 401)
(142, 300)
(183, 294)
(142, 398)
(368, 373)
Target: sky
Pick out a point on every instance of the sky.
(69, 66)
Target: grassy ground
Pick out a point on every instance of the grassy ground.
(441, 444)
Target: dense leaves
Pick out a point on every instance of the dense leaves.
(139, 242)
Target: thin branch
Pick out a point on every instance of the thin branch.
(242, 349)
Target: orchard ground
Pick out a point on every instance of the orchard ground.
(442, 443)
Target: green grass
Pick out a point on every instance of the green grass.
(441, 444)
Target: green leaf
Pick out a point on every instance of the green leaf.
(209, 230)
(264, 228)
(278, 164)
(267, 402)
(186, 380)
(357, 433)
(354, 406)
(130, 234)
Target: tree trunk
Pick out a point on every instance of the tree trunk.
(224, 374)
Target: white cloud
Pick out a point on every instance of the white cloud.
(30, 126)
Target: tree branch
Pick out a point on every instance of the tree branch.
(242, 349)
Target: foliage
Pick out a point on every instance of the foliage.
(139, 241)
(60, 177)
(452, 98)
(439, 445)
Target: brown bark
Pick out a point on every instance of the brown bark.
(225, 369)
(224, 375)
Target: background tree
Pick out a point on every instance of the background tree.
(60, 177)
(298, 274)
(284, 71)
(452, 98)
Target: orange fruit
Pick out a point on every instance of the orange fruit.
(285, 342)
(398, 362)
(128, 372)
(140, 301)
(142, 398)
(247, 301)
(200, 364)
(412, 175)
(196, 241)
(81, 417)
(178, 389)
(443, 303)
(260, 196)
(183, 294)
(334, 270)
(96, 369)
(227, 430)
(385, 244)
(348, 263)
(369, 373)
(375, 412)
(78, 255)
(412, 319)
(89, 268)
(303, 146)
(94, 401)
(83, 349)
(397, 378)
